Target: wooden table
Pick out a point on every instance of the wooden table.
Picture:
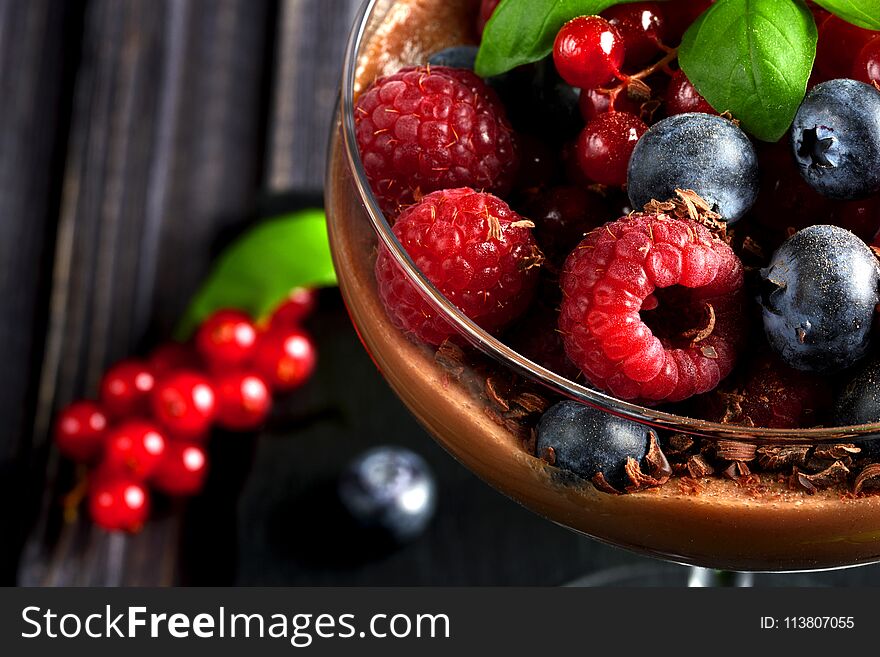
(137, 137)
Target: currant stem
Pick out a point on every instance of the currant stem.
(660, 64)
(73, 499)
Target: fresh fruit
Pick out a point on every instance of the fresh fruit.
(652, 308)
(391, 489)
(707, 154)
(118, 504)
(819, 296)
(859, 403)
(588, 52)
(587, 442)
(295, 309)
(679, 16)
(487, 8)
(185, 404)
(172, 356)
(562, 216)
(126, 388)
(285, 359)
(243, 400)
(835, 139)
(226, 340)
(867, 64)
(838, 47)
(182, 471)
(455, 57)
(605, 145)
(479, 254)
(682, 97)
(593, 102)
(642, 26)
(424, 129)
(134, 449)
(79, 431)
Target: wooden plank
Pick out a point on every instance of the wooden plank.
(165, 154)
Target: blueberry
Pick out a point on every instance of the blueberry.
(702, 152)
(455, 56)
(835, 138)
(587, 441)
(859, 403)
(819, 296)
(389, 488)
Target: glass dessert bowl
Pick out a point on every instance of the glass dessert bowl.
(481, 399)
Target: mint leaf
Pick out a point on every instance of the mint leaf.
(752, 58)
(864, 13)
(523, 31)
(257, 271)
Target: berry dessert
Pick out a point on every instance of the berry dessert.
(664, 272)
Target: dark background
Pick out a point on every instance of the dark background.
(136, 138)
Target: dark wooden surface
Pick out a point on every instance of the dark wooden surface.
(137, 137)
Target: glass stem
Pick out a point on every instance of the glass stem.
(707, 577)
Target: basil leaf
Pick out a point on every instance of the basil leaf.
(257, 271)
(864, 13)
(752, 58)
(523, 31)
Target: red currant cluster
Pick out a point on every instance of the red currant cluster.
(154, 416)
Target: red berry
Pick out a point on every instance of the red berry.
(477, 251)
(285, 359)
(605, 144)
(185, 404)
(226, 340)
(119, 504)
(126, 388)
(421, 130)
(867, 65)
(539, 163)
(172, 356)
(681, 15)
(682, 97)
(637, 293)
(79, 431)
(243, 401)
(642, 27)
(588, 52)
(293, 310)
(593, 102)
(838, 47)
(183, 470)
(562, 216)
(487, 8)
(861, 216)
(134, 448)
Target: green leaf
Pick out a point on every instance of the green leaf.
(257, 271)
(523, 31)
(752, 58)
(864, 13)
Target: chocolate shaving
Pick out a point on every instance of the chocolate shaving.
(602, 484)
(689, 486)
(451, 358)
(530, 443)
(735, 450)
(530, 402)
(690, 205)
(737, 471)
(696, 335)
(698, 467)
(494, 396)
(727, 115)
(836, 452)
(799, 481)
(869, 478)
(835, 473)
(777, 457)
(679, 443)
(659, 468)
(548, 455)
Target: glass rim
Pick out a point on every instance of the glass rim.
(495, 348)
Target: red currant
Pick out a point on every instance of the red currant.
(185, 404)
(588, 52)
(79, 431)
(285, 359)
(487, 8)
(681, 15)
(861, 217)
(134, 448)
(293, 310)
(838, 46)
(118, 504)
(172, 356)
(182, 472)
(682, 97)
(226, 340)
(605, 144)
(563, 215)
(867, 66)
(126, 387)
(593, 102)
(643, 28)
(243, 401)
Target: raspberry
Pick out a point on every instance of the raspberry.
(429, 128)
(652, 308)
(477, 251)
